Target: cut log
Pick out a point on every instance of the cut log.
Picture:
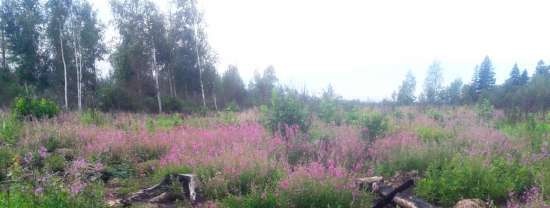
(160, 193)
(391, 195)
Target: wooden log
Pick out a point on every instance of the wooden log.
(391, 195)
(159, 193)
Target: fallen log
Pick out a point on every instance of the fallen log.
(162, 192)
(390, 195)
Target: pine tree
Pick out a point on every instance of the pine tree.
(542, 69)
(486, 76)
(524, 79)
(515, 77)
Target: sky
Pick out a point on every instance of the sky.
(364, 48)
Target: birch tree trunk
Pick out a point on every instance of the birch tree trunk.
(199, 61)
(4, 65)
(79, 77)
(77, 65)
(156, 74)
(64, 69)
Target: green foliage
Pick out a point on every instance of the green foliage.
(93, 117)
(35, 108)
(53, 195)
(55, 163)
(254, 200)
(10, 129)
(432, 134)
(317, 194)
(217, 185)
(542, 176)
(435, 115)
(330, 112)
(285, 111)
(374, 125)
(6, 156)
(413, 160)
(52, 143)
(485, 109)
(171, 104)
(446, 183)
(119, 170)
(163, 122)
(405, 95)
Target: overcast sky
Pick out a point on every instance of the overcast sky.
(364, 48)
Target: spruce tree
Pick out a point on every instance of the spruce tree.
(486, 76)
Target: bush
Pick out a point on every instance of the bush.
(171, 104)
(318, 194)
(163, 122)
(55, 163)
(329, 111)
(115, 98)
(413, 160)
(459, 178)
(92, 117)
(432, 134)
(373, 125)
(10, 128)
(6, 156)
(36, 108)
(52, 195)
(285, 111)
(255, 200)
(485, 109)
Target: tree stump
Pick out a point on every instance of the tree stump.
(162, 192)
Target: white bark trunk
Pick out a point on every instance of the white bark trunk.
(77, 65)
(199, 62)
(156, 75)
(64, 69)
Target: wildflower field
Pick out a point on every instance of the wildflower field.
(92, 159)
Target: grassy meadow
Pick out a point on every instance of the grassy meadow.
(91, 159)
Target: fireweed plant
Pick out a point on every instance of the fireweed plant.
(86, 159)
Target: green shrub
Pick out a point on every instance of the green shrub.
(6, 159)
(542, 175)
(435, 115)
(164, 122)
(55, 163)
(329, 111)
(285, 111)
(446, 183)
(142, 153)
(432, 134)
(413, 160)
(373, 125)
(121, 170)
(318, 194)
(92, 117)
(171, 104)
(254, 200)
(35, 108)
(10, 128)
(353, 117)
(485, 109)
(52, 196)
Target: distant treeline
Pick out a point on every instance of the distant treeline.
(520, 95)
(162, 62)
